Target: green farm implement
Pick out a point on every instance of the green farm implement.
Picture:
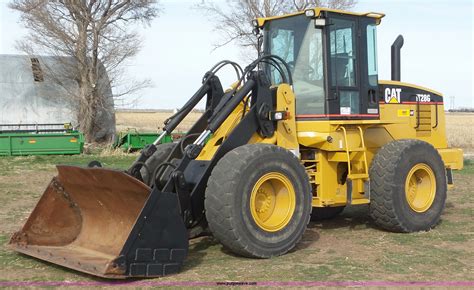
(40, 139)
(133, 140)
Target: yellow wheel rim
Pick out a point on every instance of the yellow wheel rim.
(420, 187)
(272, 202)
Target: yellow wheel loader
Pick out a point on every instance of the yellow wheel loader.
(307, 129)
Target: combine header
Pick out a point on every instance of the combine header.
(40, 139)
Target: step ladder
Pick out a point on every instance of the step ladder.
(362, 177)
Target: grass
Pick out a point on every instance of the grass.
(468, 167)
(14, 164)
(347, 248)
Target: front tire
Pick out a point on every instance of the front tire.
(161, 154)
(408, 186)
(258, 201)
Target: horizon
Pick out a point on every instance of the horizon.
(437, 54)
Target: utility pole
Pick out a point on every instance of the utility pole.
(451, 106)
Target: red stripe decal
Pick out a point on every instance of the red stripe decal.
(336, 115)
(413, 103)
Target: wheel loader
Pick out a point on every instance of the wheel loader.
(306, 130)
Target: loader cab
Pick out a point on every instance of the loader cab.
(333, 59)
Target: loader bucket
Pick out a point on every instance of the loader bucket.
(105, 223)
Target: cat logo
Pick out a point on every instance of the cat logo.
(392, 95)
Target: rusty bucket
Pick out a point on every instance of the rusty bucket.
(105, 223)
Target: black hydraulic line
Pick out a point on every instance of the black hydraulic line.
(277, 62)
(172, 122)
(278, 68)
(184, 139)
(137, 165)
(276, 65)
(238, 69)
(231, 99)
(217, 119)
(175, 120)
(230, 94)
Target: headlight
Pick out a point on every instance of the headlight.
(319, 22)
(310, 13)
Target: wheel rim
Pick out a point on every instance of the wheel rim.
(272, 202)
(420, 188)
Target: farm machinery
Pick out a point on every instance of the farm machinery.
(133, 140)
(306, 129)
(40, 139)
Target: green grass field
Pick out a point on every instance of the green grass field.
(347, 248)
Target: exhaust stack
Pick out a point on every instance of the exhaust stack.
(396, 47)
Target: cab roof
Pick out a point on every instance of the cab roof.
(317, 12)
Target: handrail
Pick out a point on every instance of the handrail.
(418, 122)
(347, 150)
(365, 148)
(436, 108)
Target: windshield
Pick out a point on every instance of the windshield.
(299, 43)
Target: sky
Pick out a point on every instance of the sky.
(177, 48)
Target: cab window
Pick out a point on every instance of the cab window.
(299, 43)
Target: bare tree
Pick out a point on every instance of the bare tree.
(234, 21)
(92, 39)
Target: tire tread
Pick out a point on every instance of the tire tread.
(382, 175)
(219, 197)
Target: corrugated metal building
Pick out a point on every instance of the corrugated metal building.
(29, 95)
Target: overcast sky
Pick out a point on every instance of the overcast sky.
(177, 48)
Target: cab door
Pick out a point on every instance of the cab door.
(352, 92)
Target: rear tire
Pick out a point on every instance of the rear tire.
(325, 213)
(162, 152)
(408, 186)
(258, 201)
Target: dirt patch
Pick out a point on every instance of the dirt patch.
(347, 248)
(19, 194)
